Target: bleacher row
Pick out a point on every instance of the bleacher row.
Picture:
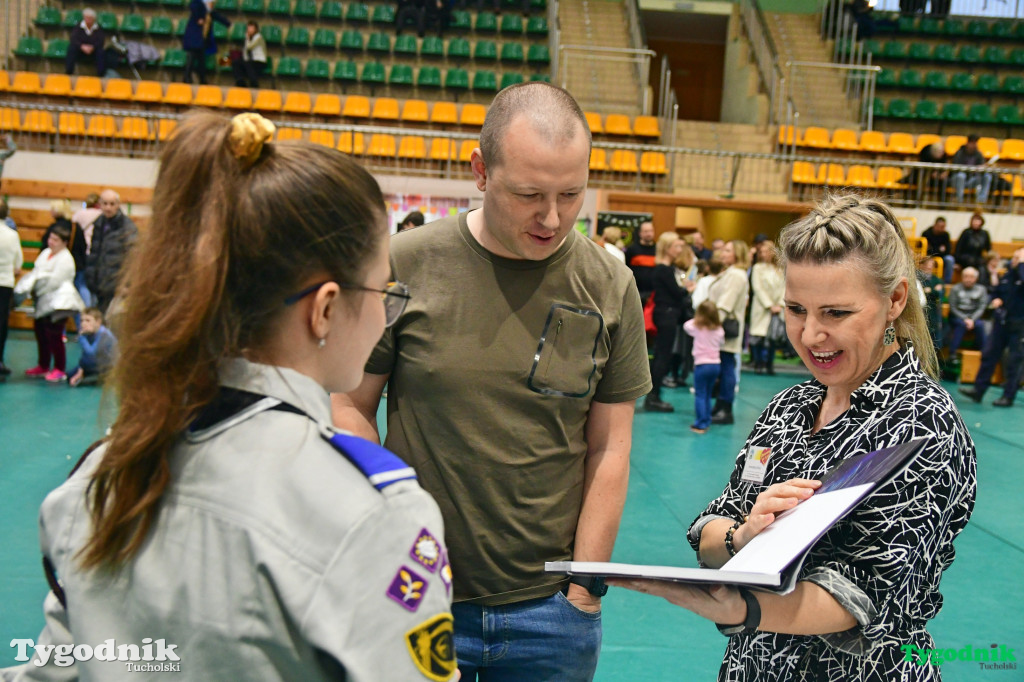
(874, 142)
(861, 176)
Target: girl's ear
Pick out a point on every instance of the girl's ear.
(324, 309)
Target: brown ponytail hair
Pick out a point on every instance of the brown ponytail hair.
(229, 240)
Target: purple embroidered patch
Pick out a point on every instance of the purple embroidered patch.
(426, 551)
(408, 588)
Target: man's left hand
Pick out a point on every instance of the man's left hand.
(581, 598)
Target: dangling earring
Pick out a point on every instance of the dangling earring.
(890, 335)
(322, 342)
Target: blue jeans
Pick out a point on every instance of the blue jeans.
(948, 263)
(727, 380)
(1007, 335)
(956, 335)
(704, 377)
(530, 641)
(983, 181)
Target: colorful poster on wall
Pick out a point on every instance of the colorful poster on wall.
(628, 222)
(432, 208)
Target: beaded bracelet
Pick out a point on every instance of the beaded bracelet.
(728, 538)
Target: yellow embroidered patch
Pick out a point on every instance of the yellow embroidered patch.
(432, 647)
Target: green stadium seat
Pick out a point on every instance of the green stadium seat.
(873, 48)
(272, 34)
(458, 48)
(304, 9)
(47, 17)
(432, 47)
(346, 72)
(541, 77)
(162, 26)
(107, 21)
(56, 49)
(179, 28)
(978, 29)
(428, 77)
(906, 25)
(174, 4)
(358, 13)
(510, 78)
(894, 49)
(485, 81)
(223, 6)
(280, 8)
(288, 67)
(954, 112)
(995, 55)
(133, 23)
(1017, 56)
(878, 108)
(174, 59)
(944, 53)
(954, 27)
(220, 32)
(456, 79)
(298, 36)
(899, 108)
(486, 22)
(1008, 114)
(383, 14)
(401, 74)
(537, 26)
(460, 21)
(538, 54)
(1002, 30)
(405, 45)
(237, 32)
(968, 54)
(1013, 85)
(318, 69)
(72, 18)
(930, 26)
(511, 24)
(379, 42)
(936, 80)
(909, 78)
(886, 78)
(254, 7)
(927, 110)
(988, 83)
(981, 113)
(352, 40)
(325, 39)
(963, 82)
(29, 47)
(331, 11)
(512, 53)
(485, 50)
(538, 5)
(921, 52)
(373, 73)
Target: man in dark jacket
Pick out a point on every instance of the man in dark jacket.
(940, 246)
(198, 40)
(86, 42)
(969, 155)
(113, 235)
(974, 244)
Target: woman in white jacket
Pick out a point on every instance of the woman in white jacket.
(51, 283)
(768, 289)
(730, 292)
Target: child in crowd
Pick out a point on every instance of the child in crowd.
(708, 271)
(99, 349)
(708, 337)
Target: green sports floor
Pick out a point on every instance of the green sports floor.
(43, 429)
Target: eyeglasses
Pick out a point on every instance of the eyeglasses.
(395, 296)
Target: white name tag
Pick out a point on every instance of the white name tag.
(756, 463)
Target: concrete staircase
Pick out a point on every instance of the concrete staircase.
(755, 178)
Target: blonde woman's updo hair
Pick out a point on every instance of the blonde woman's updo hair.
(62, 208)
(664, 241)
(847, 228)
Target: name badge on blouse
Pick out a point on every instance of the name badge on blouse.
(756, 464)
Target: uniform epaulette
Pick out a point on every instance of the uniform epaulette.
(380, 466)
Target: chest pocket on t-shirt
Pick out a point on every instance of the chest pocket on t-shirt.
(565, 362)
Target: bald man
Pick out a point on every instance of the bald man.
(113, 236)
(512, 379)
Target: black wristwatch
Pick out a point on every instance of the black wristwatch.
(593, 584)
(752, 620)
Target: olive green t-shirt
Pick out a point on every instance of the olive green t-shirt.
(494, 365)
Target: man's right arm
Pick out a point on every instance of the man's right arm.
(356, 411)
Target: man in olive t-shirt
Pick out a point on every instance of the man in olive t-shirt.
(512, 377)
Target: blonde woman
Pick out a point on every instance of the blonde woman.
(612, 238)
(670, 301)
(768, 289)
(730, 292)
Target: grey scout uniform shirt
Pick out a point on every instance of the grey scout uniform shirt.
(273, 558)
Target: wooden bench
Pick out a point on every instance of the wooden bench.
(970, 362)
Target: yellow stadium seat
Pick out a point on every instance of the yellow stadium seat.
(845, 139)
(101, 126)
(118, 89)
(134, 128)
(925, 140)
(351, 143)
(150, 92)
(466, 150)
(322, 137)
(1012, 150)
(444, 113)
(268, 100)
(211, 96)
(412, 147)
(178, 94)
(26, 83)
(954, 142)
(356, 106)
(442, 149)
(646, 126)
(804, 174)
(298, 103)
(860, 176)
(327, 105)
(617, 124)
(889, 178)
(623, 161)
(69, 123)
(415, 111)
(789, 135)
(5, 81)
(1018, 187)
(988, 146)
(653, 163)
(166, 128)
(901, 143)
(284, 134)
(235, 98)
(598, 160)
(872, 141)
(385, 108)
(594, 121)
(834, 175)
(38, 122)
(381, 145)
(89, 87)
(56, 85)
(10, 119)
(817, 138)
(473, 114)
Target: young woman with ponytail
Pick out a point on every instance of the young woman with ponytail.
(223, 514)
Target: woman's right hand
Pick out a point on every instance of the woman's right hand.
(774, 500)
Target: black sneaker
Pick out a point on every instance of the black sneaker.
(651, 405)
(722, 417)
(4, 370)
(970, 393)
(669, 382)
(1002, 401)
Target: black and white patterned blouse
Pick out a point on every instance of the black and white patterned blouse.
(883, 562)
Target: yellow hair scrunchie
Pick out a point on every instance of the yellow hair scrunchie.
(249, 132)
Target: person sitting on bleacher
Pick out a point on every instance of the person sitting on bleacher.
(199, 40)
(253, 59)
(974, 244)
(86, 42)
(411, 11)
(969, 155)
(940, 246)
(993, 272)
(967, 303)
